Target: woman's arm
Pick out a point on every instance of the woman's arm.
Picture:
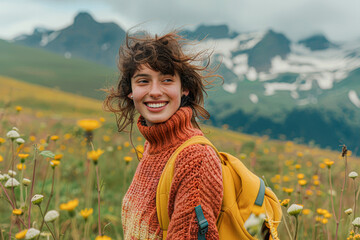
(197, 181)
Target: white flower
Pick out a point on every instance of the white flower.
(353, 175)
(15, 129)
(20, 141)
(51, 216)
(12, 134)
(26, 181)
(12, 173)
(6, 176)
(32, 233)
(37, 199)
(295, 209)
(11, 182)
(2, 178)
(348, 211)
(356, 222)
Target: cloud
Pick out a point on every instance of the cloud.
(296, 18)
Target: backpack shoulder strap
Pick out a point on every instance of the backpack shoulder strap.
(164, 185)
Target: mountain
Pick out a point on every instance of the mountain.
(85, 38)
(306, 90)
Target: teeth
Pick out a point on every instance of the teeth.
(155, 105)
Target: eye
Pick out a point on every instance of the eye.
(168, 80)
(142, 81)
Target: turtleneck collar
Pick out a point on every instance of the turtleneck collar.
(174, 131)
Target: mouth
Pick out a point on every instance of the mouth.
(156, 105)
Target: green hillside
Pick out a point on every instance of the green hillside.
(48, 69)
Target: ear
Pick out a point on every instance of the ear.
(130, 95)
(185, 92)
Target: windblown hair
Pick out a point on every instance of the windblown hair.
(164, 54)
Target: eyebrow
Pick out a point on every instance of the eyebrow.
(147, 75)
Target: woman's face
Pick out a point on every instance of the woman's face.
(156, 96)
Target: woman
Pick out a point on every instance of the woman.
(166, 87)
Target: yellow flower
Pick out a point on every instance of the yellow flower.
(328, 163)
(23, 155)
(70, 205)
(318, 219)
(18, 108)
(132, 150)
(300, 176)
(89, 124)
(286, 178)
(119, 147)
(106, 138)
(17, 212)
(327, 215)
(300, 154)
(32, 138)
(1, 158)
(322, 165)
(126, 144)
(58, 156)
(288, 190)
(85, 213)
(302, 182)
(102, 119)
(297, 166)
(324, 221)
(2, 140)
(104, 237)
(140, 148)
(21, 166)
(21, 235)
(128, 159)
(315, 177)
(306, 211)
(54, 163)
(309, 192)
(94, 155)
(316, 182)
(285, 202)
(139, 139)
(54, 137)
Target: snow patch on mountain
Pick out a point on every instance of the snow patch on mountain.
(46, 38)
(354, 99)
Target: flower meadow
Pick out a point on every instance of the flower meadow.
(65, 177)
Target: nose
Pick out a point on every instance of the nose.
(155, 90)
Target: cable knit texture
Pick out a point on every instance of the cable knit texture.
(197, 180)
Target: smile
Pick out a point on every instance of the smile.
(156, 105)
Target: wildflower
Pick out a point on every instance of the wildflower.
(356, 222)
(6, 177)
(94, 155)
(21, 235)
(288, 190)
(1, 158)
(322, 165)
(318, 219)
(12, 173)
(18, 108)
(327, 215)
(286, 178)
(309, 192)
(2, 140)
(20, 141)
(89, 124)
(70, 205)
(300, 176)
(32, 138)
(2, 178)
(128, 159)
(302, 182)
(126, 144)
(306, 211)
(119, 147)
(104, 237)
(54, 138)
(12, 134)
(11, 183)
(140, 148)
(51, 216)
(300, 154)
(54, 163)
(328, 163)
(324, 221)
(21, 166)
(58, 156)
(332, 193)
(17, 211)
(353, 175)
(26, 182)
(348, 211)
(32, 233)
(67, 136)
(37, 199)
(285, 202)
(85, 213)
(23, 156)
(102, 119)
(294, 209)
(106, 138)
(298, 166)
(316, 182)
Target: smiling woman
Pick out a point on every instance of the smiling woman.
(165, 86)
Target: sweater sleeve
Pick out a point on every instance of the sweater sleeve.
(197, 180)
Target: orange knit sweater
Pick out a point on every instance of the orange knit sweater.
(197, 180)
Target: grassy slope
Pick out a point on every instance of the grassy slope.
(49, 69)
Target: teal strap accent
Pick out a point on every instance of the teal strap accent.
(202, 222)
(261, 194)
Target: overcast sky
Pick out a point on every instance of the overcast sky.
(338, 20)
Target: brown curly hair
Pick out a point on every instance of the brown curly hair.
(164, 54)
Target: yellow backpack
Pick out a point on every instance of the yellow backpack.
(243, 193)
